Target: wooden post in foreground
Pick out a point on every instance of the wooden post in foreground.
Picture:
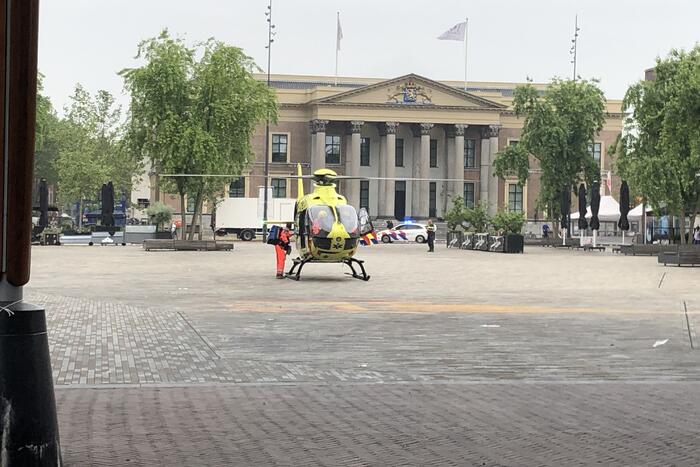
(28, 425)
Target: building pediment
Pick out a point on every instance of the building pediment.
(410, 91)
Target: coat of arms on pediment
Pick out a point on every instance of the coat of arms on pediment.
(409, 93)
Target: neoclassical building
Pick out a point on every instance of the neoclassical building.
(406, 127)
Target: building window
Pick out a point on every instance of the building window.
(364, 152)
(332, 149)
(515, 197)
(432, 200)
(469, 153)
(364, 194)
(190, 204)
(279, 187)
(469, 195)
(433, 153)
(237, 188)
(594, 150)
(279, 147)
(399, 153)
(513, 142)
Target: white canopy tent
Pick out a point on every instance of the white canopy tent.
(638, 211)
(609, 210)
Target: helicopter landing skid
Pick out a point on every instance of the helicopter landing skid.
(364, 276)
(298, 262)
(295, 271)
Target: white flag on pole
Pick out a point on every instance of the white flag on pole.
(609, 182)
(455, 33)
(340, 34)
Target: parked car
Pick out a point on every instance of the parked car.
(404, 233)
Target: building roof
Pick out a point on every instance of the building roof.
(303, 89)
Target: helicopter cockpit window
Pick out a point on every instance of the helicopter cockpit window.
(349, 219)
(321, 220)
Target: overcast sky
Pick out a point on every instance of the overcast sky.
(89, 41)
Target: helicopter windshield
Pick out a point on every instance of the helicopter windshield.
(321, 219)
(349, 219)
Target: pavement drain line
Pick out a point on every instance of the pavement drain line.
(661, 281)
(687, 322)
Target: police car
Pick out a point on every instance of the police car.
(407, 232)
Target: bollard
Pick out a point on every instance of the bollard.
(28, 424)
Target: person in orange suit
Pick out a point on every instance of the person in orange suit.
(283, 248)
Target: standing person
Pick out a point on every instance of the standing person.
(431, 228)
(283, 248)
(389, 224)
(545, 231)
(696, 236)
(173, 231)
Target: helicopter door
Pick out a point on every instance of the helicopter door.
(365, 223)
(302, 228)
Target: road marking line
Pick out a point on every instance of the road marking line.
(283, 306)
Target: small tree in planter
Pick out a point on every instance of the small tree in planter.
(455, 216)
(478, 217)
(159, 214)
(511, 224)
(455, 222)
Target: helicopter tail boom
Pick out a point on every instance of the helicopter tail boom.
(300, 181)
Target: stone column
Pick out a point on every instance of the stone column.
(488, 186)
(352, 162)
(318, 144)
(455, 160)
(416, 170)
(424, 197)
(493, 180)
(387, 160)
(484, 169)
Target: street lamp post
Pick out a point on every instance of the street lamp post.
(270, 40)
(574, 47)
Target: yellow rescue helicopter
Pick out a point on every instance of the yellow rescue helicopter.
(327, 228)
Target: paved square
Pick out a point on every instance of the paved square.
(453, 358)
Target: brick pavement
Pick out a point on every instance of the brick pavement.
(97, 342)
(195, 359)
(459, 424)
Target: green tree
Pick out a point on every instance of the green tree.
(46, 146)
(659, 155)
(508, 221)
(558, 127)
(195, 116)
(455, 216)
(477, 217)
(90, 151)
(159, 214)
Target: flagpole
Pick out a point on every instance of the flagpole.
(337, 48)
(466, 34)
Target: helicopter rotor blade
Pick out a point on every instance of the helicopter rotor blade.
(275, 175)
(329, 177)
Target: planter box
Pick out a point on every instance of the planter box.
(481, 242)
(514, 243)
(455, 239)
(497, 243)
(468, 242)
